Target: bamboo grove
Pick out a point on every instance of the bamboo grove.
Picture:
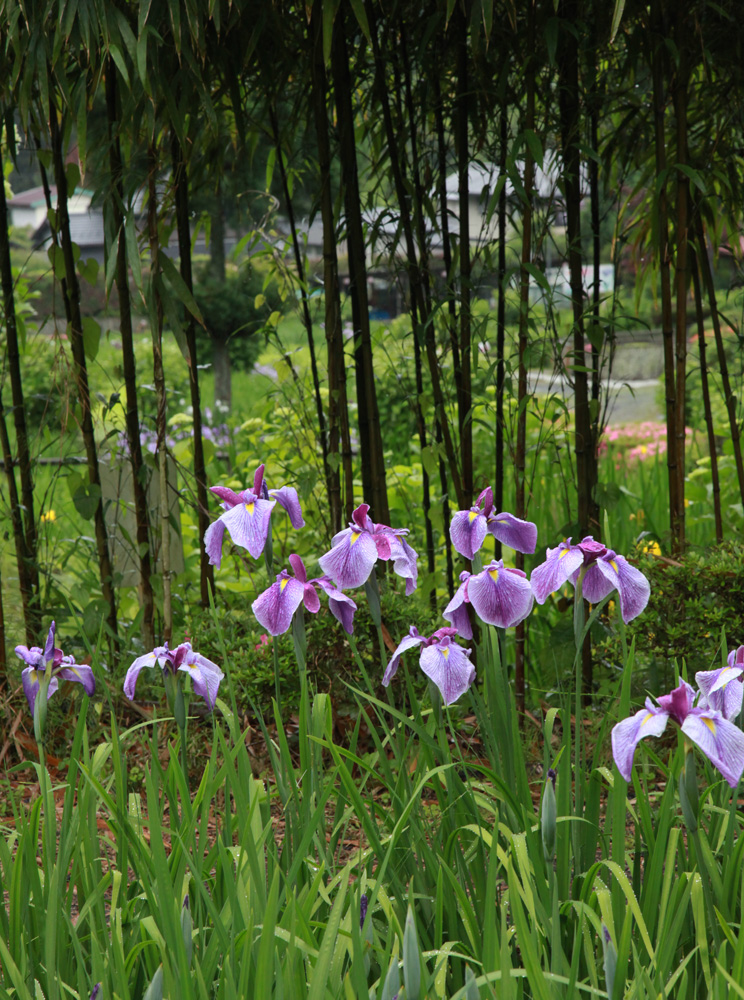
(638, 107)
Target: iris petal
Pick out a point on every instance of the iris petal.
(500, 596)
(205, 676)
(248, 524)
(468, 530)
(79, 673)
(720, 740)
(626, 735)
(513, 531)
(130, 681)
(287, 497)
(560, 564)
(350, 561)
(408, 642)
(213, 538)
(457, 612)
(600, 579)
(449, 666)
(634, 589)
(275, 608)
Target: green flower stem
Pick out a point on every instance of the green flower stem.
(372, 590)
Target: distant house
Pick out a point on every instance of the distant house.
(28, 209)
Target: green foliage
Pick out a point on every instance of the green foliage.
(692, 599)
(236, 310)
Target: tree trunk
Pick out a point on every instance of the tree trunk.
(715, 482)
(71, 291)
(305, 304)
(156, 323)
(370, 436)
(657, 72)
(206, 571)
(24, 534)
(141, 511)
(222, 370)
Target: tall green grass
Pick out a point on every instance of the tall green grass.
(464, 900)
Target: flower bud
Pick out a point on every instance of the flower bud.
(186, 928)
(688, 792)
(610, 960)
(549, 817)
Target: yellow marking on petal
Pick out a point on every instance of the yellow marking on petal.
(283, 584)
(472, 515)
(648, 715)
(614, 566)
(564, 553)
(75, 671)
(33, 675)
(710, 724)
(249, 507)
(494, 574)
(354, 536)
(445, 652)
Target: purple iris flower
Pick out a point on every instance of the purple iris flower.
(356, 549)
(247, 515)
(705, 718)
(205, 675)
(37, 660)
(442, 660)
(601, 570)
(499, 595)
(469, 528)
(275, 608)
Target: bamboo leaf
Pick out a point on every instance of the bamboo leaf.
(617, 15)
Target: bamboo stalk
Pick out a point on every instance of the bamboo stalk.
(524, 305)
(728, 394)
(22, 513)
(156, 322)
(206, 570)
(339, 441)
(305, 302)
(682, 275)
(71, 292)
(465, 395)
(657, 72)
(370, 434)
(141, 512)
(712, 451)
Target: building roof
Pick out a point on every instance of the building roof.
(35, 196)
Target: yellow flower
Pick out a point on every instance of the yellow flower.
(652, 549)
(48, 515)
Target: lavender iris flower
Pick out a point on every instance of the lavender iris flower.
(442, 660)
(704, 717)
(275, 608)
(469, 528)
(37, 660)
(601, 571)
(247, 515)
(205, 675)
(356, 549)
(499, 595)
